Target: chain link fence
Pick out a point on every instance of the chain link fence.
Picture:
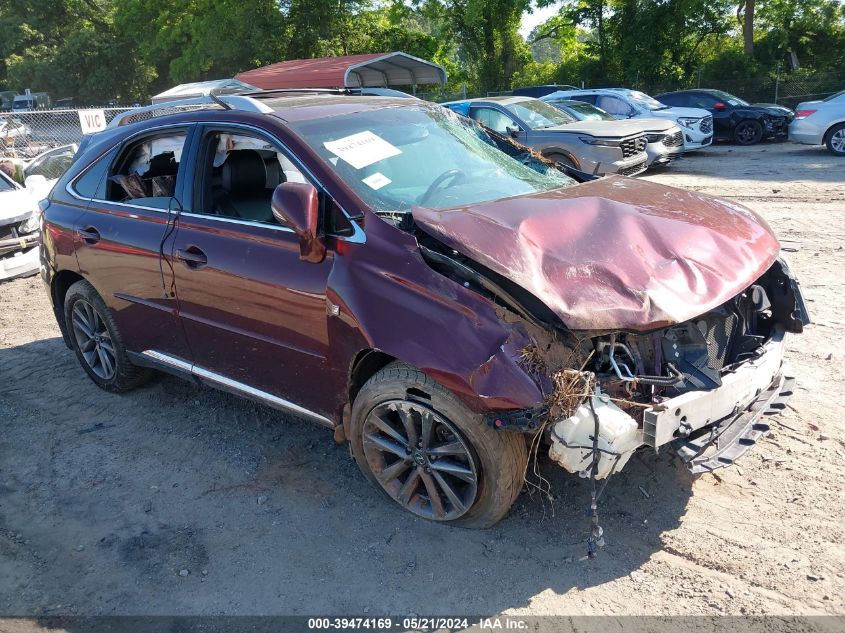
(24, 135)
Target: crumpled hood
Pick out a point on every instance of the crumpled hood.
(614, 253)
(17, 205)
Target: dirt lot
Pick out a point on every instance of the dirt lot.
(105, 499)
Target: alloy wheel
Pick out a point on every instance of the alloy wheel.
(420, 459)
(837, 141)
(93, 339)
(746, 133)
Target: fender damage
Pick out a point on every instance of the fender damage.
(656, 316)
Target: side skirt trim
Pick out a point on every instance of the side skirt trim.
(183, 368)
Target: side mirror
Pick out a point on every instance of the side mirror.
(513, 132)
(719, 106)
(297, 206)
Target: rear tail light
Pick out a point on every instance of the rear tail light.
(803, 114)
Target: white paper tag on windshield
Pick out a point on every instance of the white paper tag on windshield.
(362, 149)
(376, 181)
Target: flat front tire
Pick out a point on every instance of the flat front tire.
(424, 449)
(97, 343)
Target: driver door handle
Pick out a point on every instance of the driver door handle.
(192, 257)
(89, 235)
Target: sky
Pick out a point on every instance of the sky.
(530, 20)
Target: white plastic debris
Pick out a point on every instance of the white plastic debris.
(572, 439)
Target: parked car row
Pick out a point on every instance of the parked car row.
(426, 288)
(706, 115)
(576, 134)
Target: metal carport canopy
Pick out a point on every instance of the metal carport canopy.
(350, 71)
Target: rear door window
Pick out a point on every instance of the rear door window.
(146, 171)
(493, 119)
(613, 105)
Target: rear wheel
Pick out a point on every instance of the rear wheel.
(97, 343)
(836, 140)
(423, 448)
(748, 132)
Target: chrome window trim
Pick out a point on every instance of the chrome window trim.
(219, 218)
(233, 385)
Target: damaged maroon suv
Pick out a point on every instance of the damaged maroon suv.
(439, 297)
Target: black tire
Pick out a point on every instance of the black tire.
(835, 140)
(562, 159)
(748, 132)
(82, 301)
(497, 459)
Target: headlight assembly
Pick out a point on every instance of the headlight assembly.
(30, 225)
(589, 140)
(688, 122)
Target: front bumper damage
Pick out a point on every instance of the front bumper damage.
(703, 388)
(707, 429)
(18, 254)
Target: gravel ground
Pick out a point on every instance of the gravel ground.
(180, 500)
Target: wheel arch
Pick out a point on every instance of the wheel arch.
(365, 365)
(551, 151)
(830, 129)
(59, 285)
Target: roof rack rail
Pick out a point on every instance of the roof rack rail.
(235, 102)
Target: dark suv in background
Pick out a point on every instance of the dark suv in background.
(734, 119)
(436, 295)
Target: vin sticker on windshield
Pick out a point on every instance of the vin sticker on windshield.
(362, 149)
(376, 181)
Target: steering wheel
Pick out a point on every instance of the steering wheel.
(442, 179)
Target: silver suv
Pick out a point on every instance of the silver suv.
(623, 103)
(590, 146)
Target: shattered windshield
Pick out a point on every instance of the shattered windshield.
(426, 155)
(539, 114)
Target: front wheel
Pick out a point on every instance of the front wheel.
(562, 160)
(97, 343)
(748, 132)
(423, 448)
(836, 140)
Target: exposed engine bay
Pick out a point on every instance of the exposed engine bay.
(700, 386)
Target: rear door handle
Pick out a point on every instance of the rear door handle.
(89, 235)
(192, 257)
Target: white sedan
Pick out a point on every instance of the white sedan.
(821, 123)
(19, 212)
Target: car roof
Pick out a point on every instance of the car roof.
(581, 91)
(503, 100)
(320, 106)
(288, 105)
